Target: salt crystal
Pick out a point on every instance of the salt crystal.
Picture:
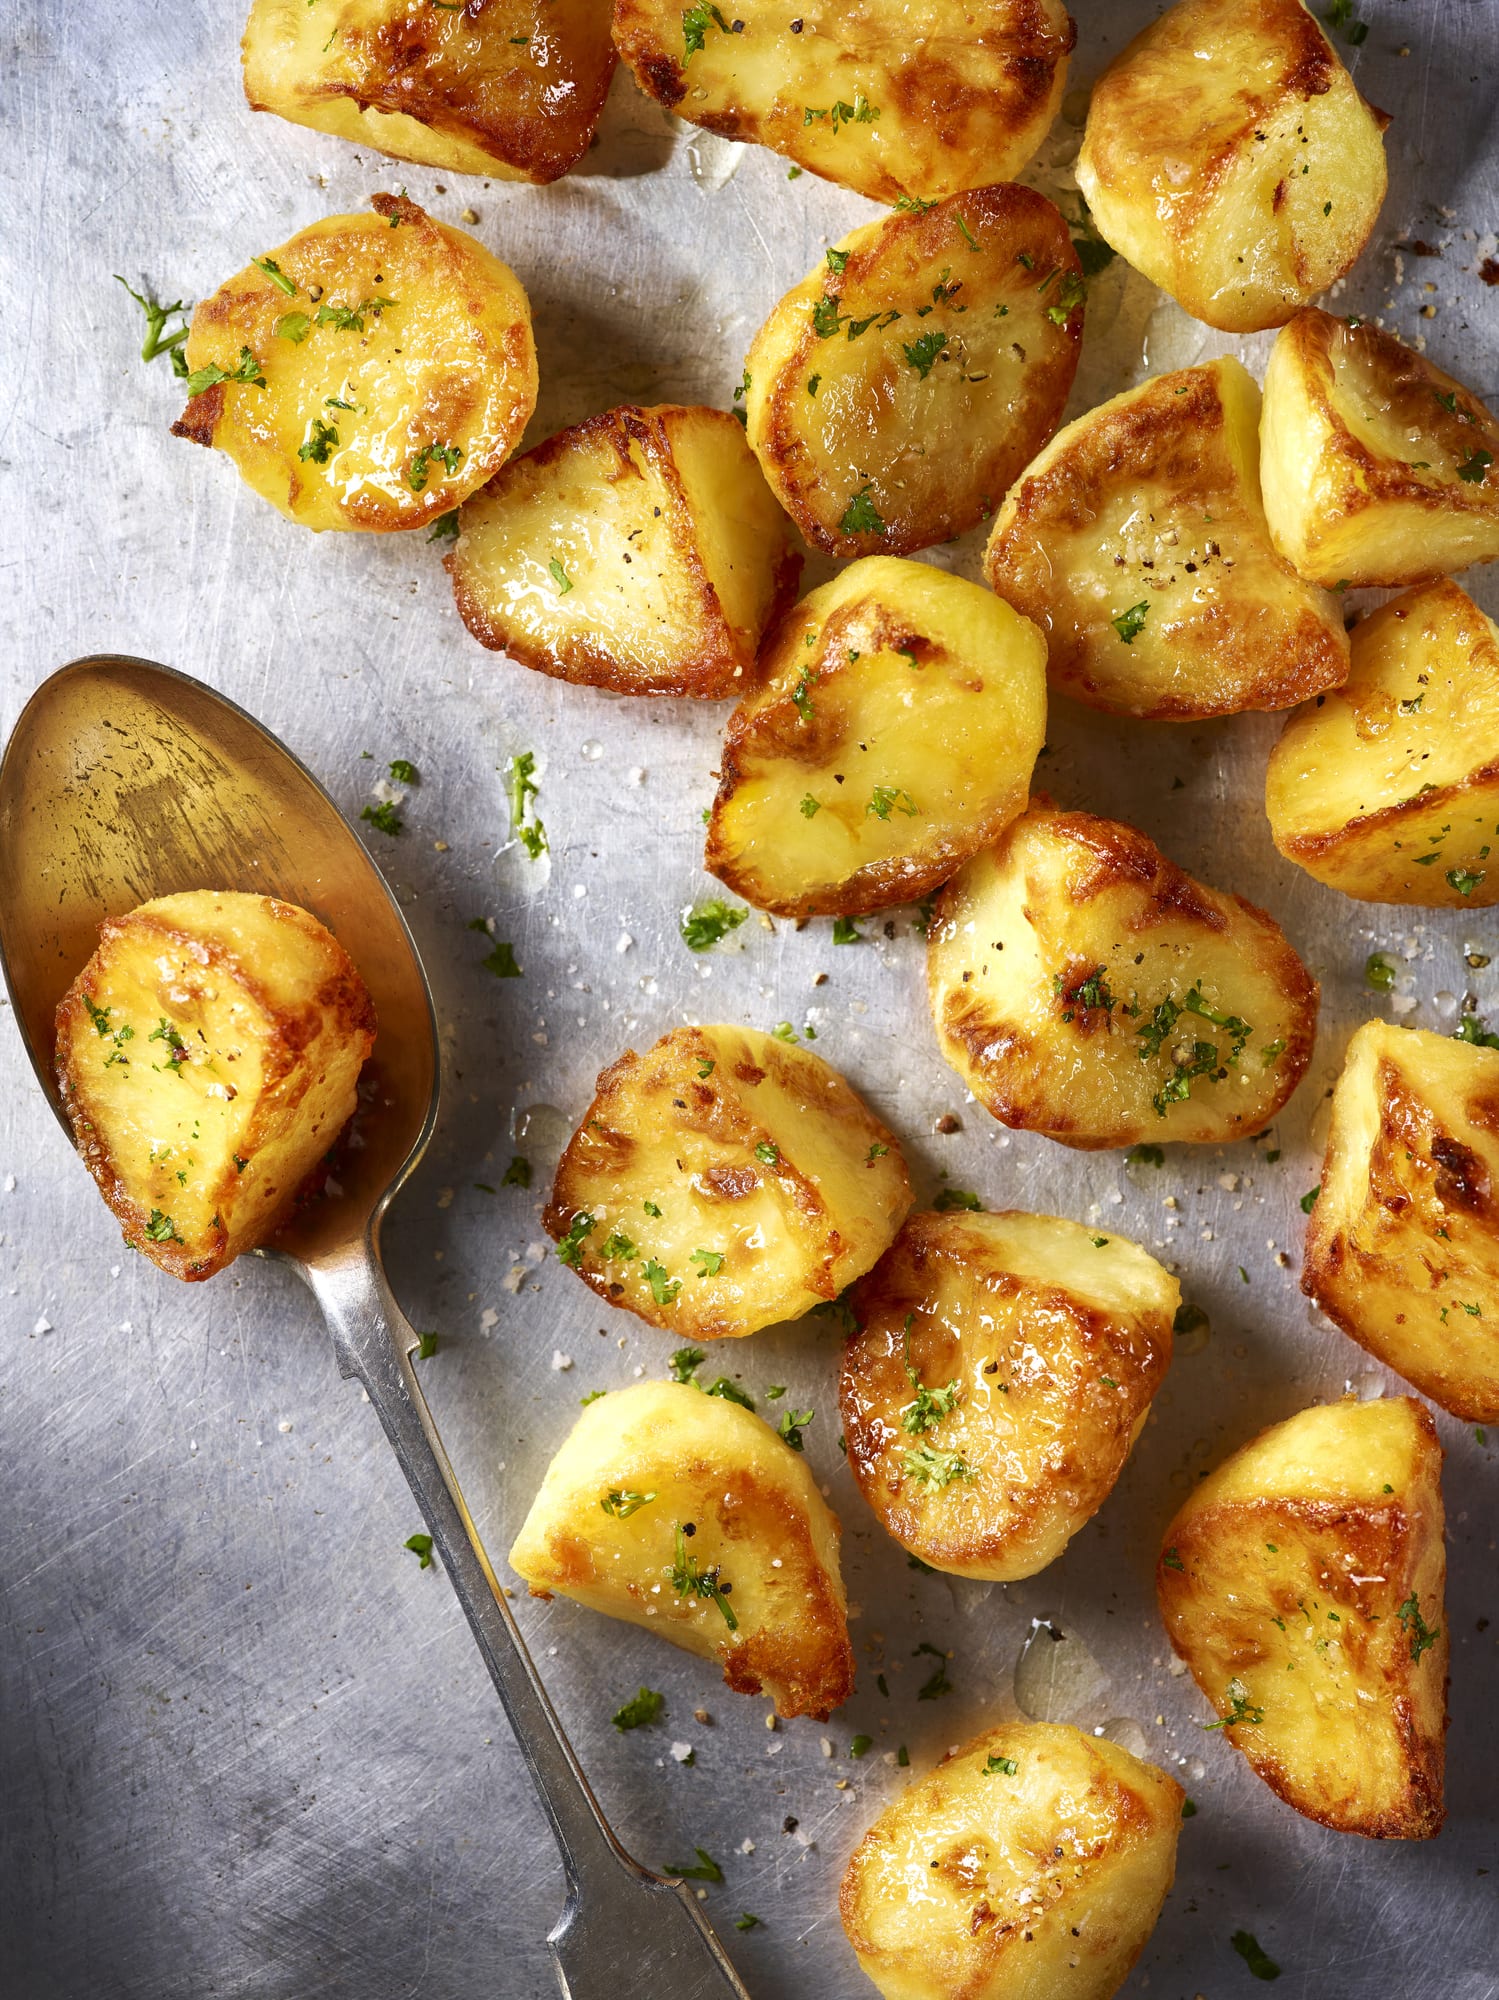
(560, 1361)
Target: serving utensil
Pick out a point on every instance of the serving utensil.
(125, 780)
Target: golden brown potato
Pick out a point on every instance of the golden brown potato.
(1388, 789)
(1303, 1583)
(1085, 987)
(894, 394)
(370, 373)
(507, 88)
(1002, 1368)
(890, 97)
(899, 713)
(207, 1055)
(1029, 1865)
(1403, 1246)
(1138, 543)
(1230, 158)
(640, 551)
(1377, 467)
(685, 1514)
(723, 1181)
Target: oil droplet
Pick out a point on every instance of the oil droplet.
(1127, 1733)
(1056, 1677)
(542, 1128)
(593, 750)
(1195, 1769)
(712, 161)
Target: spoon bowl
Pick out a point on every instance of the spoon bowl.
(122, 781)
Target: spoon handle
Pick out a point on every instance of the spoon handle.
(624, 1931)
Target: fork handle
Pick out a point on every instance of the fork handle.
(625, 1931)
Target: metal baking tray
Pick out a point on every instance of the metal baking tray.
(249, 1750)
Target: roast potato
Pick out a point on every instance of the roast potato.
(1085, 987)
(207, 1057)
(686, 1514)
(1403, 1246)
(1230, 158)
(1302, 1584)
(890, 97)
(1388, 789)
(894, 394)
(1138, 543)
(1029, 1865)
(640, 551)
(892, 733)
(508, 88)
(370, 373)
(723, 1181)
(1001, 1369)
(1377, 467)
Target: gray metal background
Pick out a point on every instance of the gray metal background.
(245, 1745)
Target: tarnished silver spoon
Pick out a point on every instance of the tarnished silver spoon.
(122, 781)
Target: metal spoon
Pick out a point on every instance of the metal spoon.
(124, 780)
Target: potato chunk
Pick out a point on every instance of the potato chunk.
(1230, 158)
(640, 551)
(207, 1055)
(370, 373)
(683, 1513)
(1403, 1246)
(1388, 789)
(1033, 1862)
(511, 89)
(899, 715)
(723, 1181)
(1302, 1584)
(1377, 467)
(895, 393)
(1002, 1368)
(889, 97)
(1138, 543)
(1085, 987)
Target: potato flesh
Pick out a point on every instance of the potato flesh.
(447, 364)
(207, 1055)
(1378, 468)
(759, 1525)
(514, 91)
(952, 338)
(1388, 789)
(1403, 1246)
(1230, 158)
(1056, 1339)
(640, 551)
(889, 97)
(1137, 542)
(899, 715)
(1067, 895)
(1303, 1584)
(775, 1186)
(1038, 1884)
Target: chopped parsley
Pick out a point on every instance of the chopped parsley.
(687, 1580)
(445, 527)
(1089, 995)
(934, 1469)
(685, 1363)
(1309, 1199)
(158, 340)
(642, 1707)
(860, 112)
(1471, 1029)
(891, 798)
(801, 701)
(1171, 1560)
(768, 1154)
(951, 1197)
(1473, 469)
(791, 1425)
(524, 823)
(729, 1392)
(419, 470)
(938, 1684)
(384, 818)
(745, 1921)
(861, 516)
(294, 326)
(1130, 624)
(246, 369)
(1000, 1767)
(846, 931)
(1379, 972)
(1070, 295)
(616, 1247)
(272, 270)
(710, 1261)
(404, 772)
(706, 1869)
(1421, 1634)
(421, 1547)
(1465, 880)
(162, 1229)
(501, 962)
(930, 1405)
(350, 319)
(861, 1746)
(696, 22)
(1145, 1156)
(570, 1246)
(426, 1345)
(1240, 1708)
(709, 923)
(664, 1289)
(923, 352)
(1245, 1943)
(320, 447)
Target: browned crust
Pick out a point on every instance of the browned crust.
(769, 725)
(200, 419)
(1388, 1543)
(933, 94)
(873, 1388)
(1029, 224)
(1165, 430)
(716, 667)
(1122, 855)
(342, 994)
(1413, 385)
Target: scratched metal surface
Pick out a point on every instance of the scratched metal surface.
(247, 1748)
